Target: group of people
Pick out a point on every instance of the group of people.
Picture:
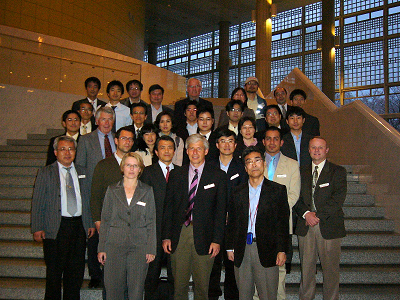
(145, 186)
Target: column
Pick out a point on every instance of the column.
(223, 82)
(152, 53)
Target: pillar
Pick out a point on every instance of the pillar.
(328, 48)
(152, 53)
(223, 82)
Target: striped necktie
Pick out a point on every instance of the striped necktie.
(192, 194)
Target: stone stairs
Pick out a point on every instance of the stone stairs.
(370, 261)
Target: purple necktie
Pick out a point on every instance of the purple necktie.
(192, 193)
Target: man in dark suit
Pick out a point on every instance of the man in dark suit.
(194, 219)
(296, 141)
(226, 141)
(234, 110)
(156, 95)
(88, 123)
(273, 118)
(311, 125)
(139, 117)
(191, 121)
(320, 226)
(258, 230)
(71, 121)
(61, 219)
(134, 89)
(92, 86)
(193, 90)
(157, 176)
(92, 148)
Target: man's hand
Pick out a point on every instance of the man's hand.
(311, 219)
(281, 258)
(231, 255)
(214, 249)
(91, 231)
(101, 256)
(150, 258)
(166, 244)
(39, 236)
(97, 224)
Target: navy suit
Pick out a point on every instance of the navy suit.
(289, 149)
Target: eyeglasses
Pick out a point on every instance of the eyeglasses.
(134, 88)
(252, 83)
(86, 109)
(69, 149)
(235, 110)
(191, 109)
(72, 119)
(135, 166)
(256, 160)
(124, 138)
(138, 113)
(275, 113)
(230, 141)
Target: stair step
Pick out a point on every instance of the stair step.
(22, 162)
(6, 148)
(359, 200)
(355, 168)
(18, 171)
(359, 178)
(21, 249)
(15, 233)
(363, 212)
(17, 181)
(369, 225)
(45, 136)
(12, 192)
(356, 188)
(14, 142)
(15, 218)
(24, 155)
(15, 204)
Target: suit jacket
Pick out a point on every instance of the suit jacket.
(51, 157)
(76, 104)
(289, 149)
(89, 152)
(287, 173)
(46, 201)
(329, 196)
(154, 177)
(179, 109)
(106, 172)
(149, 118)
(310, 126)
(224, 119)
(209, 211)
(135, 222)
(272, 222)
(127, 102)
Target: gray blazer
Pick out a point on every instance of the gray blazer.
(88, 153)
(136, 222)
(46, 202)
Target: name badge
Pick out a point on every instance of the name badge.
(235, 176)
(141, 203)
(249, 238)
(81, 176)
(209, 186)
(324, 185)
(281, 175)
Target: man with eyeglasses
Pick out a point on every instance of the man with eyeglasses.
(139, 116)
(61, 220)
(257, 235)
(280, 95)
(273, 117)
(134, 89)
(193, 90)
(71, 121)
(255, 102)
(88, 124)
(234, 110)
(226, 142)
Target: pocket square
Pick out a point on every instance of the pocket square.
(141, 203)
(324, 185)
(281, 175)
(81, 176)
(209, 186)
(235, 176)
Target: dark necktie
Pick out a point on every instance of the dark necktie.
(107, 146)
(192, 193)
(284, 111)
(167, 175)
(114, 128)
(71, 196)
(314, 183)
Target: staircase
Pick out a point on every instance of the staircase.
(370, 262)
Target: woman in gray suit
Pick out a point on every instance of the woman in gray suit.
(127, 232)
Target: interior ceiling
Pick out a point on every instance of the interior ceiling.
(169, 21)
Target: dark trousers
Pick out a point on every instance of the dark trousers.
(65, 260)
(152, 282)
(95, 271)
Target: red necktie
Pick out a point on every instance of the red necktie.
(167, 176)
(107, 146)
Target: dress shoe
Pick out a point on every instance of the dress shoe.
(94, 283)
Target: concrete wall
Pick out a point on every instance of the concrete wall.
(116, 25)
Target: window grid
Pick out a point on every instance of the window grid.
(313, 68)
(201, 42)
(281, 68)
(338, 61)
(248, 55)
(363, 64)
(393, 59)
(393, 24)
(286, 46)
(179, 48)
(234, 33)
(146, 56)
(364, 30)
(373, 98)
(313, 13)
(353, 6)
(201, 65)
(180, 69)
(247, 71)
(393, 1)
(162, 53)
(394, 99)
(248, 30)
(216, 38)
(233, 79)
(234, 56)
(311, 40)
(287, 19)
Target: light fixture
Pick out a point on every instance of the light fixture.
(273, 10)
(253, 16)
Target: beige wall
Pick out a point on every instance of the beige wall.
(116, 25)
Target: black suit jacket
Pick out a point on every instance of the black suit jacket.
(209, 211)
(76, 104)
(149, 114)
(311, 124)
(329, 196)
(289, 149)
(272, 222)
(51, 157)
(179, 110)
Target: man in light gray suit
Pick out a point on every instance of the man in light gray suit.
(92, 148)
(61, 219)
